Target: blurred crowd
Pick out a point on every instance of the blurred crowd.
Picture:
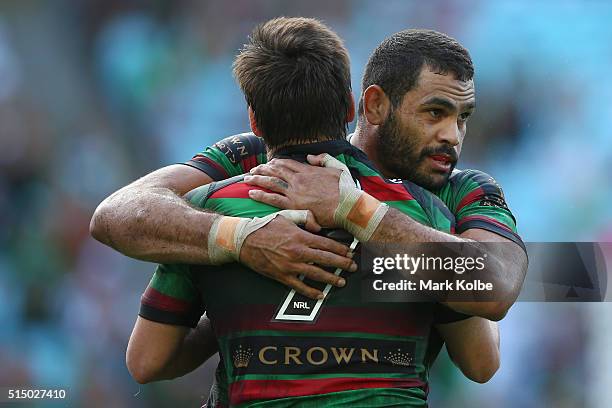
(96, 94)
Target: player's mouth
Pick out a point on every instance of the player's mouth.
(441, 162)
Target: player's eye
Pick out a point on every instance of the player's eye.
(464, 116)
(435, 113)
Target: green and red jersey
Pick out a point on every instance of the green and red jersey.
(474, 197)
(353, 353)
(231, 156)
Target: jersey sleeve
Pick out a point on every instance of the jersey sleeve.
(478, 201)
(172, 297)
(231, 156)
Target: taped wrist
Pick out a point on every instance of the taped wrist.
(227, 234)
(358, 212)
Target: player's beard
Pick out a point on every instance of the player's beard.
(400, 154)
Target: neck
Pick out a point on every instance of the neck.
(366, 139)
(273, 149)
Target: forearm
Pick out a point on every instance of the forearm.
(399, 228)
(292, 185)
(153, 224)
(505, 264)
(473, 345)
(506, 268)
(198, 346)
(149, 220)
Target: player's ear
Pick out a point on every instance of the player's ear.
(350, 115)
(253, 122)
(376, 105)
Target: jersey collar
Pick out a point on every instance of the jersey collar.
(331, 147)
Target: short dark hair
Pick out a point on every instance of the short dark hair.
(395, 65)
(295, 76)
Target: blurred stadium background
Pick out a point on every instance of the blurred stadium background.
(95, 94)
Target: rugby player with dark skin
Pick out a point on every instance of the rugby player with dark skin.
(163, 351)
(148, 219)
(422, 139)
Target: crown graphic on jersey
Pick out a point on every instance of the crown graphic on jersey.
(399, 358)
(242, 357)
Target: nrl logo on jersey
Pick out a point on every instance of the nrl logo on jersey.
(299, 308)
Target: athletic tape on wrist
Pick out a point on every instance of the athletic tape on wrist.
(358, 212)
(227, 234)
(364, 215)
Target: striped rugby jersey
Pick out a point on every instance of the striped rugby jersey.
(474, 197)
(350, 353)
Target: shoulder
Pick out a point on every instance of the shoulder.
(230, 197)
(199, 196)
(428, 200)
(240, 146)
(472, 175)
(471, 185)
(473, 178)
(231, 156)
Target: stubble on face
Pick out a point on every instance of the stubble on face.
(399, 149)
(412, 140)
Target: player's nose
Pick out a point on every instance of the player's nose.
(450, 134)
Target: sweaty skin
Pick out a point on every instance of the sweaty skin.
(473, 344)
(148, 220)
(474, 347)
(431, 118)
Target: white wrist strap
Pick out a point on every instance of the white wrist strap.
(227, 234)
(358, 212)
